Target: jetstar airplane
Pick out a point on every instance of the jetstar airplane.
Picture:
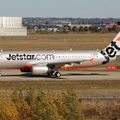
(49, 62)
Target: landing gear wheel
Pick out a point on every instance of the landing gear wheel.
(54, 74)
(57, 74)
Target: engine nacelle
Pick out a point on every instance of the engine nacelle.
(40, 70)
(37, 70)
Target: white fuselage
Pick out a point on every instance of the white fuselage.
(18, 59)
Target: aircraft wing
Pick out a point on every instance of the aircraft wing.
(58, 64)
(70, 63)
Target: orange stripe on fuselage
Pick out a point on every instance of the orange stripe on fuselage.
(23, 67)
(61, 67)
(74, 67)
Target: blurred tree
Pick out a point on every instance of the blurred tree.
(81, 29)
(8, 111)
(22, 106)
(69, 106)
(75, 29)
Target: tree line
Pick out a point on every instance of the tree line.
(48, 105)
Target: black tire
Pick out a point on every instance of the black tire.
(57, 74)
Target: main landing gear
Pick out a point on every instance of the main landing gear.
(55, 74)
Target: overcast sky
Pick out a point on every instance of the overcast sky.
(61, 8)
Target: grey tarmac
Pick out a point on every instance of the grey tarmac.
(87, 84)
(16, 75)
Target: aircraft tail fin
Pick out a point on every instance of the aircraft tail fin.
(111, 50)
(117, 39)
(114, 45)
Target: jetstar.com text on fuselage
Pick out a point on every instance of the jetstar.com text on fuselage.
(30, 57)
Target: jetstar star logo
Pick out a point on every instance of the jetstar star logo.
(118, 39)
(91, 60)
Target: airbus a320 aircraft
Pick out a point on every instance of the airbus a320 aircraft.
(49, 62)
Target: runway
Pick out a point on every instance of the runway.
(15, 75)
(84, 83)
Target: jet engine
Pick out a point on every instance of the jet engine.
(37, 70)
(40, 70)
